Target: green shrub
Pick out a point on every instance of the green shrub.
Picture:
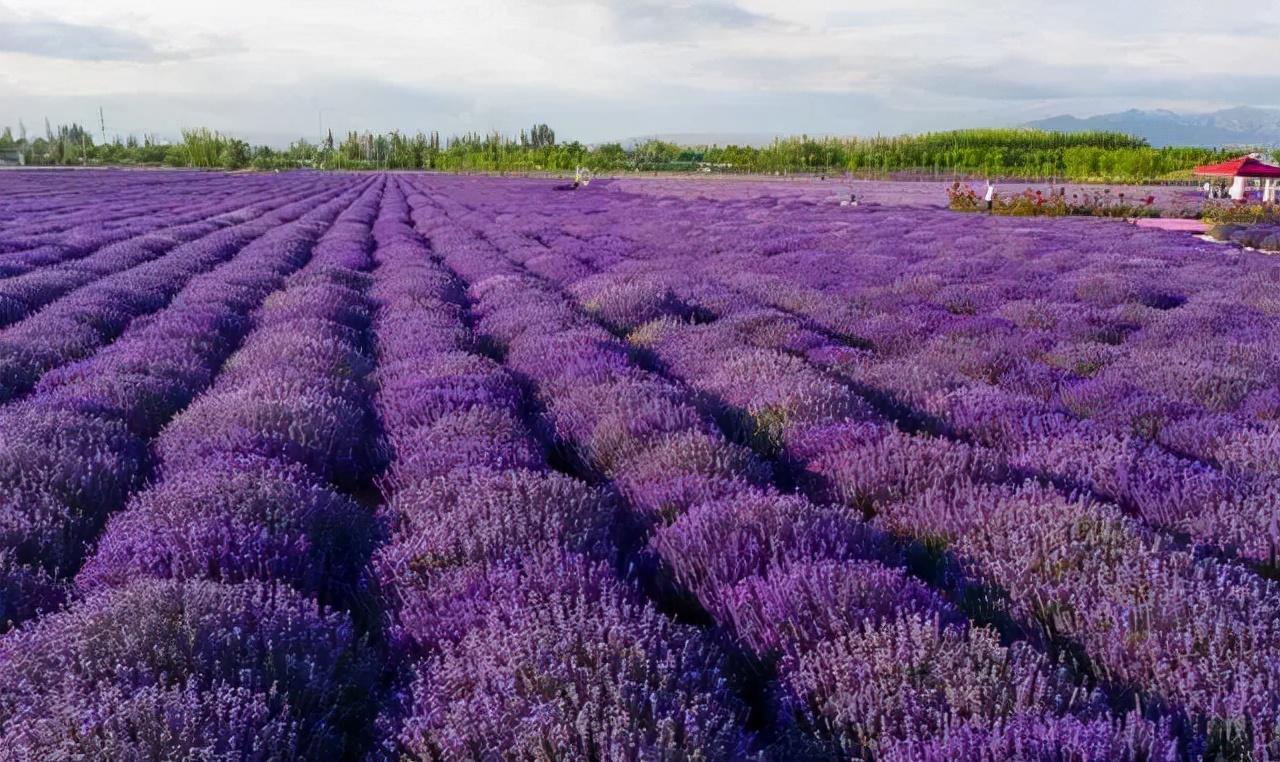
(1055, 203)
(1238, 211)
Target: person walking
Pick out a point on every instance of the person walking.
(990, 197)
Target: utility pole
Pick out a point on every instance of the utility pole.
(102, 125)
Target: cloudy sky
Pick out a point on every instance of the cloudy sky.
(596, 70)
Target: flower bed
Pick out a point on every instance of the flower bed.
(1055, 203)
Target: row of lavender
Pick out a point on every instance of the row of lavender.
(1147, 617)
(72, 452)
(1150, 337)
(1225, 510)
(234, 586)
(1101, 588)
(219, 614)
(144, 222)
(866, 659)
(1194, 469)
(982, 377)
(1153, 430)
(1149, 353)
(1081, 573)
(75, 204)
(1122, 307)
(225, 612)
(517, 637)
(64, 314)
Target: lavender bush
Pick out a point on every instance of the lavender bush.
(182, 667)
(395, 466)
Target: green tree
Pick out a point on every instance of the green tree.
(235, 154)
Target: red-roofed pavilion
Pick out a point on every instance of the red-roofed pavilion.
(1242, 169)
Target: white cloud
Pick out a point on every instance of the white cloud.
(592, 67)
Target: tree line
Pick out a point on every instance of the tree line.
(1009, 153)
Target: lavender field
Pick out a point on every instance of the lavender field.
(412, 466)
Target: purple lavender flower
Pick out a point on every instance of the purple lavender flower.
(234, 519)
(566, 662)
(245, 662)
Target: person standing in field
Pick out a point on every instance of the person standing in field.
(990, 197)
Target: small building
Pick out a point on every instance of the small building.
(12, 158)
(1241, 171)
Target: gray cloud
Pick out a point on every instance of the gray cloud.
(866, 17)
(631, 67)
(1017, 80)
(648, 21)
(277, 115)
(84, 42)
(1005, 81)
(773, 68)
(274, 115)
(55, 39)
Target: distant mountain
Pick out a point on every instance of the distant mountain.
(1241, 126)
